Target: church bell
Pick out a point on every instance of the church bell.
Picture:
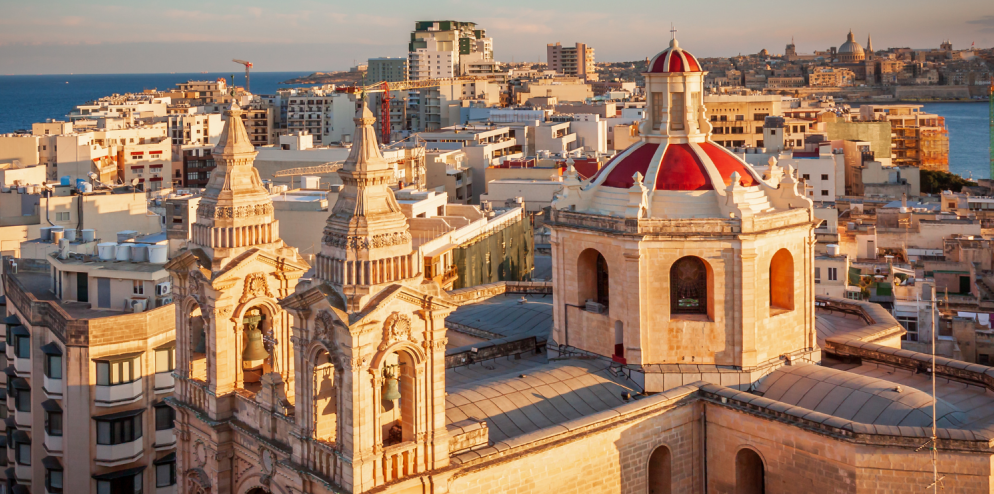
(202, 341)
(391, 385)
(254, 350)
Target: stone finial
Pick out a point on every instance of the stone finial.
(638, 198)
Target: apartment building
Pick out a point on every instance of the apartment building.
(440, 107)
(128, 106)
(918, 138)
(737, 120)
(203, 92)
(388, 69)
(483, 146)
(91, 347)
(437, 47)
(324, 113)
(187, 126)
(831, 77)
(196, 165)
(572, 61)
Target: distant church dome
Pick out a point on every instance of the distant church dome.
(851, 51)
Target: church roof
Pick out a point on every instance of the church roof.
(692, 166)
(674, 59)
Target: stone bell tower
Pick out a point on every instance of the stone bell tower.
(233, 338)
(369, 341)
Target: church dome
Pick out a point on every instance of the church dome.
(675, 170)
(851, 51)
(673, 59)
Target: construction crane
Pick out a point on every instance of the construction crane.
(310, 170)
(386, 87)
(248, 65)
(990, 97)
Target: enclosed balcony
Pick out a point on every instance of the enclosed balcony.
(53, 426)
(52, 380)
(119, 381)
(21, 343)
(119, 437)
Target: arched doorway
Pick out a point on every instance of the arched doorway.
(660, 473)
(749, 473)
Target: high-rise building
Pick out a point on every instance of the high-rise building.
(389, 69)
(437, 48)
(573, 61)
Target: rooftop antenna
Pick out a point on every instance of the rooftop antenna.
(932, 442)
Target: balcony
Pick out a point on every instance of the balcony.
(23, 473)
(53, 444)
(22, 366)
(23, 419)
(119, 394)
(52, 387)
(164, 382)
(112, 455)
(165, 439)
(166, 490)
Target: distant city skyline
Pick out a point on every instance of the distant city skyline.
(60, 36)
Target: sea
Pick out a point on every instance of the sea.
(25, 99)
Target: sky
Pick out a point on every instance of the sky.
(100, 36)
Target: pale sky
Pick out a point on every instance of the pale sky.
(100, 36)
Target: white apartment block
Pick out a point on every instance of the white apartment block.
(437, 47)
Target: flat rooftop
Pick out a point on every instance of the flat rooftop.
(39, 284)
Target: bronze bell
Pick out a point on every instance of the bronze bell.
(391, 385)
(202, 342)
(254, 349)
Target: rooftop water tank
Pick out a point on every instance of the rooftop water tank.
(124, 252)
(46, 234)
(85, 187)
(157, 254)
(70, 234)
(88, 234)
(65, 180)
(139, 253)
(107, 251)
(833, 249)
(57, 235)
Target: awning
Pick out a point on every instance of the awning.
(51, 349)
(3, 300)
(20, 331)
(51, 406)
(21, 437)
(12, 320)
(120, 474)
(119, 415)
(170, 458)
(19, 489)
(118, 358)
(51, 463)
(20, 383)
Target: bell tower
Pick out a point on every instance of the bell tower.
(232, 337)
(369, 339)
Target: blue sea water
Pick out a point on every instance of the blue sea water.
(25, 99)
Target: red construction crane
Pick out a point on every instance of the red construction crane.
(387, 87)
(248, 65)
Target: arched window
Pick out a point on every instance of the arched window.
(749, 473)
(592, 278)
(397, 399)
(198, 344)
(660, 473)
(782, 280)
(689, 286)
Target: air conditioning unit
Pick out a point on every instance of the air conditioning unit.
(595, 307)
(163, 301)
(138, 304)
(163, 288)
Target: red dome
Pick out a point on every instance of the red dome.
(681, 167)
(674, 59)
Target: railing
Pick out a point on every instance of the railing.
(196, 395)
(323, 459)
(398, 461)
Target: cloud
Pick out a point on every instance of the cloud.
(986, 23)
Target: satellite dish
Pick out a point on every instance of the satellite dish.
(134, 182)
